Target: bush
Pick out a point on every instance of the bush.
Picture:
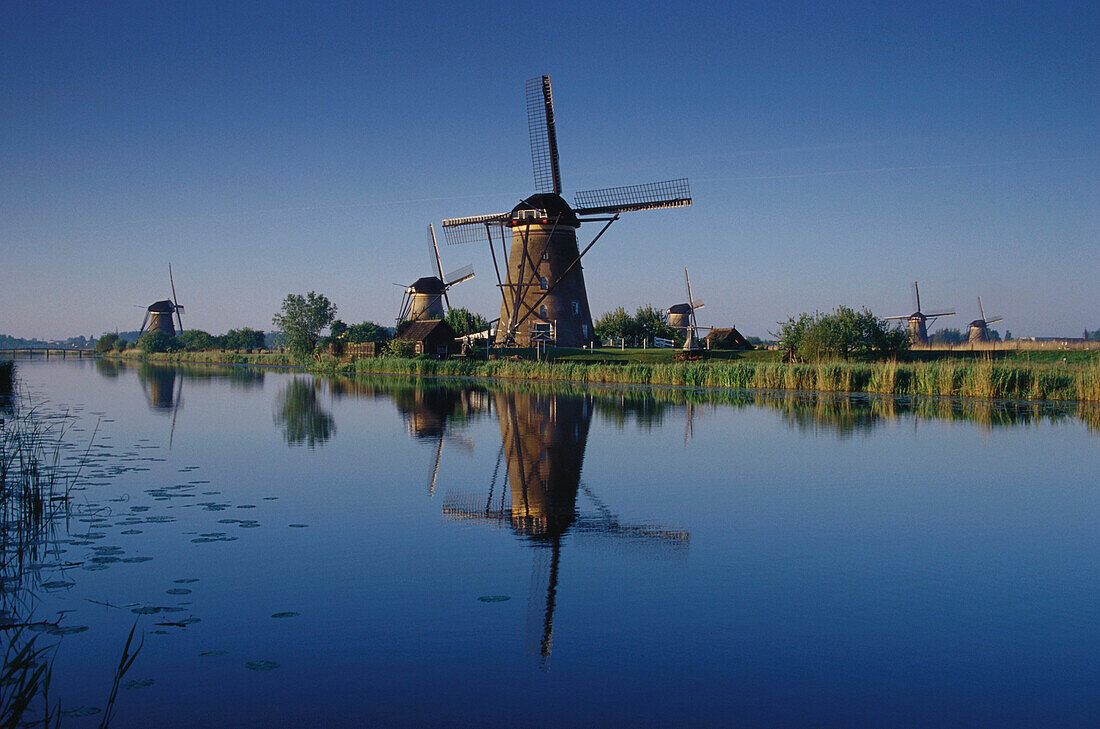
(400, 348)
(195, 340)
(844, 334)
(157, 341)
(106, 343)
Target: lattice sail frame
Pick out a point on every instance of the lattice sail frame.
(649, 196)
(544, 138)
(457, 231)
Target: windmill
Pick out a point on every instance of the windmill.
(979, 328)
(682, 316)
(425, 297)
(158, 315)
(918, 320)
(543, 296)
(543, 438)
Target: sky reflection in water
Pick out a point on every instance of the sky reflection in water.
(304, 551)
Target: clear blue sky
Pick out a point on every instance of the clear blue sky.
(837, 152)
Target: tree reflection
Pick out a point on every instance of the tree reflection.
(301, 416)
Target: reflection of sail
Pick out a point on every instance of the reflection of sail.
(301, 416)
(543, 438)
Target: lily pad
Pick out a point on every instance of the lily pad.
(209, 654)
(67, 630)
(138, 683)
(80, 711)
(178, 591)
(261, 665)
(286, 615)
(297, 526)
(186, 580)
(494, 598)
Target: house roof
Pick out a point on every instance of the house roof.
(421, 329)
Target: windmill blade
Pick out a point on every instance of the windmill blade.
(944, 313)
(144, 322)
(470, 230)
(544, 138)
(438, 264)
(994, 320)
(687, 280)
(629, 198)
(916, 291)
(698, 304)
(459, 275)
(981, 308)
(175, 301)
(899, 316)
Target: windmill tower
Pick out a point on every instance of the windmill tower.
(979, 328)
(158, 315)
(682, 316)
(543, 295)
(425, 297)
(918, 320)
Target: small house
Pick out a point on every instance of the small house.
(434, 337)
(727, 339)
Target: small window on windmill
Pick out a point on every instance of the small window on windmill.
(542, 311)
(576, 307)
(543, 283)
(546, 254)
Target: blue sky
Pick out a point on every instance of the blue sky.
(837, 153)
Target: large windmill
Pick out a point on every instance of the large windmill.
(158, 315)
(425, 297)
(543, 297)
(979, 328)
(918, 320)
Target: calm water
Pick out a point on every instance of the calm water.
(472, 554)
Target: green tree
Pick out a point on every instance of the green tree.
(465, 322)
(244, 338)
(650, 322)
(302, 319)
(367, 331)
(400, 348)
(844, 334)
(614, 324)
(157, 341)
(196, 340)
(106, 343)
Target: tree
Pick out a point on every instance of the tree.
(844, 334)
(302, 318)
(947, 336)
(195, 340)
(106, 343)
(615, 324)
(465, 322)
(157, 341)
(367, 331)
(244, 338)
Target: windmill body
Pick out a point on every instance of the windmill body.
(158, 315)
(543, 293)
(424, 298)
(917, 322)
(679, 316)
(979, 328)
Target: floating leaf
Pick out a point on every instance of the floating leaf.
(67, 630)
(186, 580)
(208, 654)
(80, 711)
(298, 526)
(286, 615)
(133, 560)
(494, 598)
(178, 591)
(58, 584)
(147, 610)
(261, 665)
(131, 531)
(139, 683)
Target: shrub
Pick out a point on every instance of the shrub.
(157, 341)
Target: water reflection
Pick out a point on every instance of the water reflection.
(543, 439)
(299, 413)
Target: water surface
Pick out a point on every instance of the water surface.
(379, 552)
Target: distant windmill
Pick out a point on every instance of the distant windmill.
(979, 328)
(918, 320)
(158, 315)
(682, 316)
(543, 296)
(424, 298)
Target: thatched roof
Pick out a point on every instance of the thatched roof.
(421, 329)
(727, 339)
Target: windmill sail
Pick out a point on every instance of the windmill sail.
(473, 229)
(630, 198)
(544, 138)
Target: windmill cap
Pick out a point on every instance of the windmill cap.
(427, 285)
(163, 307)
(679, 309)
(553, 204)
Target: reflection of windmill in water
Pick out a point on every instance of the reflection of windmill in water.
(163, 387)
(429, 412)
(425, 297)
(918, 320)
(158, 315)
(543, 295)
(543, 441)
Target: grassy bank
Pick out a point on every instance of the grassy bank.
(1011, 378)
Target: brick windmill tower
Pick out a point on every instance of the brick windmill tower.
(543, 295)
